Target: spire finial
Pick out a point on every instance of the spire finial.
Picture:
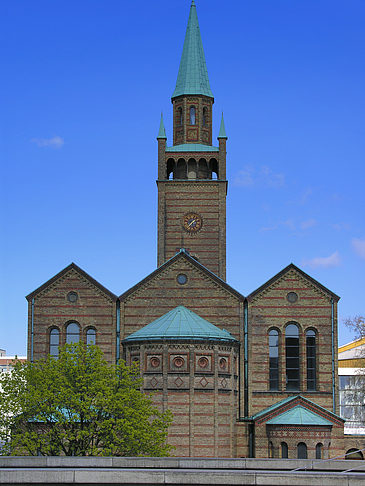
(162, 131)
(222, 130)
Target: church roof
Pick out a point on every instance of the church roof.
(192, 147)
(161, 131)
(298, 416)
(180, 324)
(192, 78)
(222, 129)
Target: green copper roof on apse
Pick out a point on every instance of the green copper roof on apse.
(180, 323)
(192, 78)
(298, 416)
(161, 131)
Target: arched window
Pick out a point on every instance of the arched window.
(90, 336)
(72, 333)
(181, 170)
(192, 115)
(354, 454)
(310, 336)
(319, 451)
(274, 359)
(284, 450)
(271, 450)
(302, 451)
(205, 113)
(192, 169)
(180, 116)
(54, 342)
(292, 356)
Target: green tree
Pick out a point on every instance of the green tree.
(79, 405)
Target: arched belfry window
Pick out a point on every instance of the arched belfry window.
(302, 451)
(192, 115)
(72, 333)
(205, 117)
(292, 356)
(54, 342)
(310, 341)
(274, 359)
(90, 336)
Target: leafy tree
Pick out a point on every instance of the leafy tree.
(79, 405)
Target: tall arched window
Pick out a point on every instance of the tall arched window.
(319, 451)
(54, 342)
(284, 450)
(302, 451)
(90, 336)
(292, 356)
(192, 115)
(205, 112)
(72, 333)
(310, 336)
(274, 359)
(180, 116)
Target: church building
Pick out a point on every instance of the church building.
(244, 376)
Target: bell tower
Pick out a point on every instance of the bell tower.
(192, 183)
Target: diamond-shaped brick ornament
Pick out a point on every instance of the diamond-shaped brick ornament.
(204, 382)
(224, 383)
(178, 382)
(153, 382)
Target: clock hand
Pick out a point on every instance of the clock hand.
(191, 222)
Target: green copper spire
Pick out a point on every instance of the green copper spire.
(193, 74)
(162, 131)
(222, 130)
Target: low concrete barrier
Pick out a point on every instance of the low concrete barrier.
(179, 471)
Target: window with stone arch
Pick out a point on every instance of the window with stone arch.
(310, 343)
(284, 450)
(90, 336)
(302, 451)
(319, 451)
(292, 356)
(72, 333)
(274, 359)
(192, 115)
(54, 342)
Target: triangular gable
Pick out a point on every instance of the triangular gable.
(62, 273)
(298, 416)
(287, 409)
(303, 274)
(183, 254)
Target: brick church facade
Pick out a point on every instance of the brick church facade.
(244, 376)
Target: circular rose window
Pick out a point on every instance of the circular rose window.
(292, 297)
(155, 362)
(178, 361)
(72, 297)
(182, 278)
(203, 362)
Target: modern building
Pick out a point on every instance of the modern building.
(244, 376)
(7, 362)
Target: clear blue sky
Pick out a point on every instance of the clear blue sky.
(82, 87)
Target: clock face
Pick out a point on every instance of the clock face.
(192, 222)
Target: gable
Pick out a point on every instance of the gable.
(292, 278)
(203, 293)
(72, 276)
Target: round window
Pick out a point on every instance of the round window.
(182, 278)
(72, 297)
(292, 297)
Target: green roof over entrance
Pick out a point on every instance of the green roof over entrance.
(180, 324)
(298, 415)
(192, 78)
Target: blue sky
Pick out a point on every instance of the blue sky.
(82, 88)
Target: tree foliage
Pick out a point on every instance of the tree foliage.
(79, 405)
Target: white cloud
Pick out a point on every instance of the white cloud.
(262, 177)
(325, 262)
(55, 142)
(358, 245)
(309, 223)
